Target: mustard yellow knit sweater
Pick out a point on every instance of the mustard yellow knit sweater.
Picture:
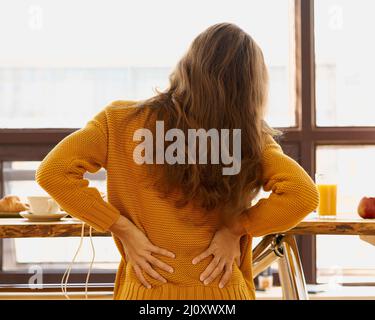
(107, 141)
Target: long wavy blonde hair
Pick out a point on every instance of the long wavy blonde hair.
(221, 82)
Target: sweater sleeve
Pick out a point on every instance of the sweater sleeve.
(61, 174)
(294, 194)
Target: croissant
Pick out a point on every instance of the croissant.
(12, 204)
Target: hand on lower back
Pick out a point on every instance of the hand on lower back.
(225, 249)
(139, 250)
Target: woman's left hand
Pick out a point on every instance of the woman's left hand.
(225, 248)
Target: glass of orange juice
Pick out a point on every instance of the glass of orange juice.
(327, 187)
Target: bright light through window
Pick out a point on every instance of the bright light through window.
(66, 66)
(55, 252)
(345, 62)
(353, 258)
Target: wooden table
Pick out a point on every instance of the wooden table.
(349, 226)
(281, 248)
(21, 228)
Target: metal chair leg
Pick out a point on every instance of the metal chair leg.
(291, 273)
(284, 250)
(267, 252)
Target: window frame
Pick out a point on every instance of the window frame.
(309, 136)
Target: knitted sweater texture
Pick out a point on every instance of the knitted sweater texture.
(107, 142)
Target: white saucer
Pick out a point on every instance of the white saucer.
(43, 217)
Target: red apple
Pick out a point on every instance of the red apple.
(366, 208)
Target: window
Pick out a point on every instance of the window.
(72, 70)
(54, 253)
(353, 260)
(65, 68)
(345, 64)
(344, 104)
(320, 94)
(68, 97)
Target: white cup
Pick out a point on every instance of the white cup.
(43, 205)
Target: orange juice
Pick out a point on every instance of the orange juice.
(328, 199)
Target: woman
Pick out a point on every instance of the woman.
(184, 231)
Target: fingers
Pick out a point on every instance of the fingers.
(140, 276)
(151, 272)
(202, 256)
(160, 264)
(215, 273)
(164, 252)
(210, 268)
(225, 278)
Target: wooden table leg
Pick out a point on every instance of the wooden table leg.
(290, 270)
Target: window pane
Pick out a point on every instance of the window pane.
(56, 253)
(72, 70)
(52, 253)
(353, 167)
(344, 62)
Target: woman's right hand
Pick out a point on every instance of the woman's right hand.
(139, 250)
